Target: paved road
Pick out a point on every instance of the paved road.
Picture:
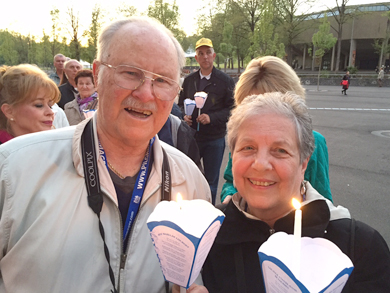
(359, 161)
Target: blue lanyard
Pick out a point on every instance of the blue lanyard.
(138, 190)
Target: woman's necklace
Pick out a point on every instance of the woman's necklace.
(115, 171)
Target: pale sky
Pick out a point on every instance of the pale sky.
(34, 16)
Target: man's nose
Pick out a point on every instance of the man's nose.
(145, 91)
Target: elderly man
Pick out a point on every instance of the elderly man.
(58, 63)
(74, 202)
(211, 123)
(68, 89)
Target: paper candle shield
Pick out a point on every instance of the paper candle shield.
(200, 98)
(89, 113)
(182, 236)
(323, 266)
(189, 106)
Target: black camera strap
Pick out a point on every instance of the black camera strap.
(92, 183)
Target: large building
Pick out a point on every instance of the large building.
(366, 25)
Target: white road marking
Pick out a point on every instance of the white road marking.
(349, 109)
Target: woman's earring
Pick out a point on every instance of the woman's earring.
(303, 188)
(12, 119)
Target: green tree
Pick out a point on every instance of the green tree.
(226, 48)
(55, 29)
(8, 53)
(21, 47)
(65, 50)
(126, 10)
(323, 40)
(32, 50)
(44, 56)
(168, 15)
(93, 33)
(250, 12)
(291, 23)
(382, 46)
(265, 40)
(341, 15)
(75, 46)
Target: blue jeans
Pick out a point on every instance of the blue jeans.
(212, 154)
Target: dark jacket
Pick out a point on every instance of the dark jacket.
(233, 264)
(178, 134)
(218, 104)
(68, 94)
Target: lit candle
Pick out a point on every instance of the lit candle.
(179, 199)
(298, 220)
(297, 238)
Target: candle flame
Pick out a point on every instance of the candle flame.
(179, 198)
(296, 203)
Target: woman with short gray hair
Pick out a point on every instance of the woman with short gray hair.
(269, 74)
(270, 138)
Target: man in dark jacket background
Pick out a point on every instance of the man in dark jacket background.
(215, 113)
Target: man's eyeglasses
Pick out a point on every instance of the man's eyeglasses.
(131, 78)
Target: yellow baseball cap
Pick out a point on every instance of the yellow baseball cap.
(203, 42)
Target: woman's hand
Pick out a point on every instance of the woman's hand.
(193, 289)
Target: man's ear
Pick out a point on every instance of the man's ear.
(7, 110)
(95, 70)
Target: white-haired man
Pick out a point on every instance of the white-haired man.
(62, 231)
(68, 89)
(58, 62)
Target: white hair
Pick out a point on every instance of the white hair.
(109, 31)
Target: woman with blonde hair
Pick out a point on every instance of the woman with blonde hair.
(26, 97)
(271, 74)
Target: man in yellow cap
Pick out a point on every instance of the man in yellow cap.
(210, 135)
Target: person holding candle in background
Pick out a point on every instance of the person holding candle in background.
(210, 125)
(270, 138)
(62, 229)
(271, 74)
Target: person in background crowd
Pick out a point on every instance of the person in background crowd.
(58, 63)
(60, 119)
(272, 74)
(345, 83)
(74, 202)
(271, 139)
(215, 112)
(68, 84)
(85, 100)
(26, 97)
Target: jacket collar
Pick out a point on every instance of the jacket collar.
(155, 178)
(316, 214)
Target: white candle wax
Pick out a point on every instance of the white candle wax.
(298, 225)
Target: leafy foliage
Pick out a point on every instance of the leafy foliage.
(323, 40)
